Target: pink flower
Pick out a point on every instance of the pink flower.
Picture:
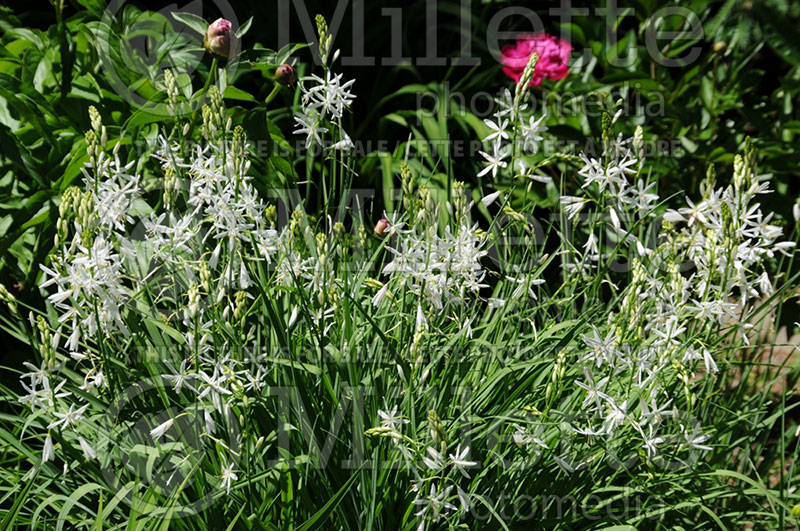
(218, 38)
(285, 75)
(553, 57)
(381, 227)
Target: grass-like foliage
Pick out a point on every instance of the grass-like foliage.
(218, 354)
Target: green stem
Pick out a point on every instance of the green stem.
(275, 90)
(212, 73)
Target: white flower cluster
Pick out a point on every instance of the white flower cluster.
(721, 243)
(196, 273)
(444, 269)
(436, 472)
(513, 133)
(104, 262)
(89, 274)
(221, 193)
(727, 237)
(324, 102)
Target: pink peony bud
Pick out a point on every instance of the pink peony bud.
(285, 75)
(218, 38)
(381, 227)
(553, 55)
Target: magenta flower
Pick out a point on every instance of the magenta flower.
(218, 38)
(553, 57)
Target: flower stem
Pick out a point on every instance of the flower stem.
(275, 90)
(212, 73)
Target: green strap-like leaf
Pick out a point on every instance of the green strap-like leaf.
(196, 23)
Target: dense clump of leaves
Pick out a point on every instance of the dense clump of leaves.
(222, 343)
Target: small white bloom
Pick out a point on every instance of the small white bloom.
(309, 125)
(651, 443)
(380, 295)
(459, 460)
(421, 323)
(435, 461)
(159, 430)
(292, 317)
(435, 503)
(709, 362)
(496, 303)
(48, 451)
(494, 161)
(179, 377)
(498, 130)
(572, 205)
(228, 476)
(530, 134)
(615, 222)
(463, 497)
(209, 421)
(489, 199)
(68, 419)
(345, 144)
(391, 419)
(88, 452)
(673, 216)
(695, 441)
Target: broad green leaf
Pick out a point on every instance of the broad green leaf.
(198, 24)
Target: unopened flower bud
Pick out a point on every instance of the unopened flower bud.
(720, 46)
(285, 75)
(381, 227)
(8, 298)
(218, 38)
(436, 428)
